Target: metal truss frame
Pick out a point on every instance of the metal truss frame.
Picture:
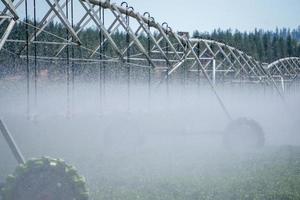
(288, 68)
(9, 13)
(167, 51)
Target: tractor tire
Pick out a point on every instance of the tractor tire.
(244, 133)
(45, 179)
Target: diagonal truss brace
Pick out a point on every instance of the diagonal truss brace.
(142, 23)
(9, 5)
(101, 27)
(7, 32)
(129, 30)
(111, 29)
(60, 14)
(81, 25)
(209, 81)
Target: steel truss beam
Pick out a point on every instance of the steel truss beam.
(168, 48)
(7, 32)
(166, 51)
(9, 6)
(58, 10)
(287, 68)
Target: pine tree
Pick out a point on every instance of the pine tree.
(196, 34)
(289, 45)
(274, 48)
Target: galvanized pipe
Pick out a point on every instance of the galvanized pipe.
(11, 143)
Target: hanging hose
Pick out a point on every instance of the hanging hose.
(27, 61)
(35, 58)
(104, 63)
(198, 67)
(128, 55)
(102, 66)
(73, 55)
(149, 53)
(100, 63)
(167, 53)
(68, 64)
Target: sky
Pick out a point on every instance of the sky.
(207, 15)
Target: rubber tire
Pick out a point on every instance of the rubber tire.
(45, 179)
(244, 133)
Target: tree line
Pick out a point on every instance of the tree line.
(265, 46)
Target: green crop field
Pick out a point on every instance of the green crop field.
(121, 166)
(271, 174)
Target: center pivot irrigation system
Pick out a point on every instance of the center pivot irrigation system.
(156, 48)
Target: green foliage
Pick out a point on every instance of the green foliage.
(58, 181)
(271, 174)
(265, 46)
